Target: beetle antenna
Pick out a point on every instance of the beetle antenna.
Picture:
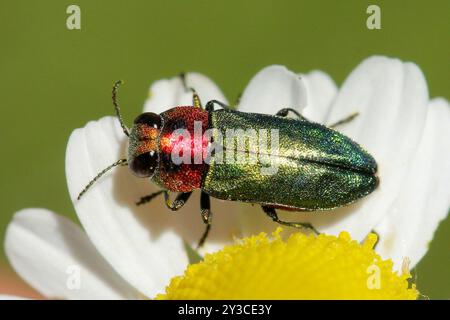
(117, 108)
(121, 162)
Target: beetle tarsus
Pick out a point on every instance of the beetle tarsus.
(204, 236)
(149, 197)
(272, 213)
(205, 206)
(196, 102)
(345, 120)
(285, 111)
(182, 76)
(308, 226)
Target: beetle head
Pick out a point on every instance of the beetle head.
(143, 148)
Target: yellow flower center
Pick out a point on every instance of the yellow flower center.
(301, 267)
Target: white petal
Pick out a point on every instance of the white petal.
(144, 244)
(272, 89)
(423, 202)
(321, 90)
(168, 93)
(50, 251)
(391, 98)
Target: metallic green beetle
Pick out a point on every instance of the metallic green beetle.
(318, 168)
(270, 160)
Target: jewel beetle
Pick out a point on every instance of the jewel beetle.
(316, 167)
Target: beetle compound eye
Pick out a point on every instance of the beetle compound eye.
(150, 119)
(144, 165)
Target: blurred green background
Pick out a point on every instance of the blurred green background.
(53, 80)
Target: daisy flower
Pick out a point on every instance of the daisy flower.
(126, 251)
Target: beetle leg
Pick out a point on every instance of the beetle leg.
(183, 81)
(179, 201)
(210, 105)
(272, 213)
(195, 98)
(205, 206)
(345, 120)
(148, 198)
(285, 111)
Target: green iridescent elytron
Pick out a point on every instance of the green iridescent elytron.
(318, 168)
(270, 160)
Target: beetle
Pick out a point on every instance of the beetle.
(317, 168)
